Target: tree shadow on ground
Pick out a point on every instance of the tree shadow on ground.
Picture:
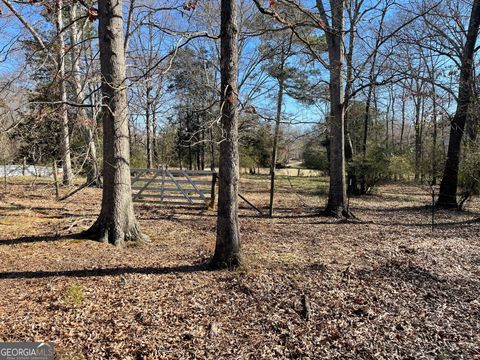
(281, 213)
(45, 212)
(433, 286)
(426, 209)
(38, 238)
(82, 273)
(399, 209)
(426, 224)
(450, 224)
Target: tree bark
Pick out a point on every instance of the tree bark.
(67, 162)
(392, 127)
(402, 128)
(366, 122)
(148, 124)
(337, 192)
(93, 175)
(154, 134)
(418, 138)
(354, 17)
(227, 250)
(275, 141)
(116, 222)
(434, 136)
(448, 186)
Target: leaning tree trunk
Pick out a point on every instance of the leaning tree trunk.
(93, 175)
(448, 186)
(338, 192)
(116, 222)
(67, 162)
(275, 142)
(227, 250)
(349, 82)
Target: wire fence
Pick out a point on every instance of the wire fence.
(26, 170)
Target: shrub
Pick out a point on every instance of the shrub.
(469, 174)
(400, 167)
(315, 156)
(365, 173)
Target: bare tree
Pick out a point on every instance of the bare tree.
(448, 186)
(227, 250)
(116, 222)
(67, 162)
(87, 125)
(334, 32)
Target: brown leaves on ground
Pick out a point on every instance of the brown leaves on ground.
(384, 287)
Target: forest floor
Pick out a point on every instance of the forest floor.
(312, 287)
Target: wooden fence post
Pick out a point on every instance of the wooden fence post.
(57, 190)
(212, 191)
(5, 175)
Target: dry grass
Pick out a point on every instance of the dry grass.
(383, 288)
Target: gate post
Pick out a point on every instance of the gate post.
(212, 191)
(24, 166)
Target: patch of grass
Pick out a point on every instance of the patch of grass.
(75, 295)
(77, 241)
(298, 278)
(134, 244)
(305, 183)
(288, 258)
(251, 263)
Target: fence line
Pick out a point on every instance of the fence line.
(28, 170)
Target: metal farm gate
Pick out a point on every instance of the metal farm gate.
(173, 186)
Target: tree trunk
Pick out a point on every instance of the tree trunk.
(418, 138)
(389, 105)
(67, 162)
(422, 128)
(190, 156)
(366, 122)
(366, 125)
(353, 18)
(212, 150)
(275, 141)
(203, 150)
(376, 116)
(154, 134)
(227, 249)
(116, 222)
(148, 125)
(93, 175)
(448, 186)
(392, 127)
(337, 192)
(402, 128)
(434, 136)
(131, 9)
